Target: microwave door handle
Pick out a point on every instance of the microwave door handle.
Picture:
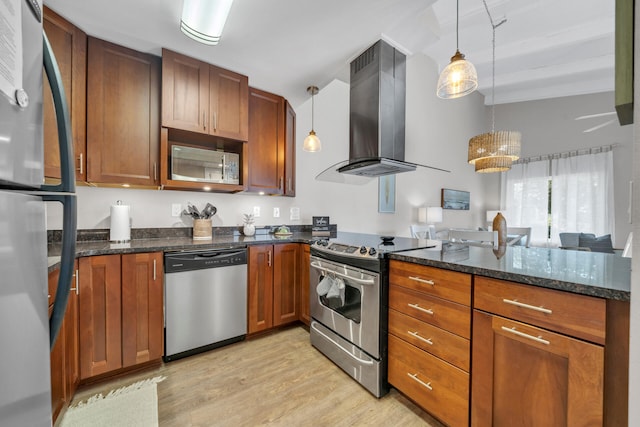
(332, 271)
(65, 142)
(67, 258)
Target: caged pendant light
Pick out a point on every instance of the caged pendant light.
(312, 142)
(494, 151)
(459, 78)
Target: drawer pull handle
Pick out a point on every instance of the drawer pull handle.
(417, 335)
(417, 307)
(415, 377)
(418, 279)
(530, 307)
(527, 336)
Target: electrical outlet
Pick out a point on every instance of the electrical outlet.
(256, 211)
(276, 212)
(294, 214)
(176, 209)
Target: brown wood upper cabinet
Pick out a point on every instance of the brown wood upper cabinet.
(69, 45)
(123, 115)
(203, 98)
(271, 144)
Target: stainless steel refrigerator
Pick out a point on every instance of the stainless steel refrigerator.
(26, 331)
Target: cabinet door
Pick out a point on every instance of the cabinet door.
(72, 338)
(142, 317)
(305, 314)
(100, 318)
(123, 129)
(260, 288)
(185, 92)
(266, 142)
(69, 46)
(290, 151)
(528, 376)
(286, 283)
(228, 104)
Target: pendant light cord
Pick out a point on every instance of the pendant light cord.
(493, 66)
(457, 19)
(312, 109)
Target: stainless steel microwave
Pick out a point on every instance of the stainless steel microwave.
(201, 165)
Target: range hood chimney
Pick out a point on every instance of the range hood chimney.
(377, 113)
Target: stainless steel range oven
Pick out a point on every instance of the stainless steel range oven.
(349, 304)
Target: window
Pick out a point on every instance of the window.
(569, 192)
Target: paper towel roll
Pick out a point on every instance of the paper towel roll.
(120, 227)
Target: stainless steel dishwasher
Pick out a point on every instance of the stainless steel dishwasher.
(205, 298)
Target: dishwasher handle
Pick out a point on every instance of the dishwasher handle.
(175, 262)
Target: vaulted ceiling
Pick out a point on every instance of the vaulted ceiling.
(546, 48)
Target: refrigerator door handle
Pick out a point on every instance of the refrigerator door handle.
(65, 142)
(67, 258)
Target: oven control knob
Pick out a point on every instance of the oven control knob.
(363, 250)
(372, 251)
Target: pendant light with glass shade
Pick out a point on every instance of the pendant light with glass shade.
(459, 78)
(494, 151)
(312, 142)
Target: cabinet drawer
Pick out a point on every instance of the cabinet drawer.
(445, 345)
(445, 284)
(439, 388)
(579, 316)
(444, 314)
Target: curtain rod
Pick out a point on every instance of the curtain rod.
(565, 154)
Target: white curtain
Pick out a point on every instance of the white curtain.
(582, 195)
(525, 198)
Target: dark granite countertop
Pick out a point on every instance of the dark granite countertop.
(167, 244)
(588, 273)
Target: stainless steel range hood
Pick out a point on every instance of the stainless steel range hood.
(376, 118)
(377, 113)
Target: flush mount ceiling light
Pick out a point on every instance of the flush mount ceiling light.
(494, 151)
(459, 78)
(312, 142)
(203, 20)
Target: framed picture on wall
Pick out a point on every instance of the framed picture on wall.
(455, 199)
(387, 194)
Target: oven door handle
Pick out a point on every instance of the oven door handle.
(337, 344)
(355, 279)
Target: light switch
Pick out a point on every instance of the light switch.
(276, 212)
(176, 209)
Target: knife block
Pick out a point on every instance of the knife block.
(202, 229)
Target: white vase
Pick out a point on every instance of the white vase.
(249, 229)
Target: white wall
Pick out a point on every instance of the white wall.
(437, 134)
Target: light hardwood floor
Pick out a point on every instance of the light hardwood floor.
(276, 380)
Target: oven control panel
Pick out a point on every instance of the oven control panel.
(348, 250)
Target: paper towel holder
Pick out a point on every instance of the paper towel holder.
(120, 231)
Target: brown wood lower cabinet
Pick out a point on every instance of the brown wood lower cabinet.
(121, 322)
(547, 357)
(64, 359)
(429, 338)
(274, 286)
(305, 312)
(524, 375)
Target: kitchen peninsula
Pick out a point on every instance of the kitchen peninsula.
(572, 299)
